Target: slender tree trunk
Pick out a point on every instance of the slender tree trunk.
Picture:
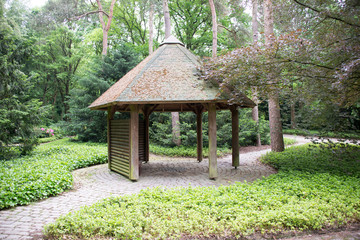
(151, 27)
(214, 28)
(105, 27)
(292, 115)
(175, 117)
(255, 24)
(277, 141)
(167, 19)
(175, 120)
(255, 30)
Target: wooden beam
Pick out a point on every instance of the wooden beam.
(134, 142)
(199, 136)
(110, 116)
(212, 141)
(235, 136)
(147, 112)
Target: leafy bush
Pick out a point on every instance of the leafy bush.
(183, 151)
(338, 160)
(309, 192)
(289, 141)
(304, 132)
(160, 129)
(46, 172)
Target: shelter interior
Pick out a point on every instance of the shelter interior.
(128, 139)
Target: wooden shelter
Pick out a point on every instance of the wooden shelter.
(167, 80)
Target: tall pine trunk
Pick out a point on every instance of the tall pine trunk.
(214, 28)
(151, 27)
(255, 31)
(175, 117)
(167, 19)
(277, 141)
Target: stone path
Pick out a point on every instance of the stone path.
(94, 183)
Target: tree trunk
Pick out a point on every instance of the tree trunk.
(175, 120)
(167, 19)
(292, 115)
(255, 24)
(151, 27)
(214, 28)
(277, 141)
(105, 27)
(255, 115)
(255, 110)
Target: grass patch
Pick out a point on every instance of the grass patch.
(289, 141)
(46, 172)
(47, 139)
(304, 132)
(182, 151)
(309, 192)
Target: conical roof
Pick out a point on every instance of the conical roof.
(169, 75)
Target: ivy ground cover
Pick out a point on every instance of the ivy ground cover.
(314, 189)
(46, 172)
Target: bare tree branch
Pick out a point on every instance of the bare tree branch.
(327, 15)
(227, 29)
(88, 13)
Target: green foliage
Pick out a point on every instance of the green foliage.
(19, 114)
(289, 141)
(342, 135)
(290, 200)
(46, 172)
(160, 129)
(192, 23)
(183, 151)
(87, 124)
(338, 160)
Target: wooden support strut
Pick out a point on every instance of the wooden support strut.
(212, 141)
(110, 116)
(235, 136)
(134, 142)
(199, 137)
(147, 111)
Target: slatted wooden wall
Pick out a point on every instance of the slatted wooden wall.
(119, 145)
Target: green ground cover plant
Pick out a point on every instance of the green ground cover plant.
(185, 151)
(46, 172)
(342, 135)
(308, 192)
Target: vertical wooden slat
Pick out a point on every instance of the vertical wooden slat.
(134, 142)
(147, 151)
(110, 116)
(199, 136)
(147, 112)
(212, 141)
(235, 136)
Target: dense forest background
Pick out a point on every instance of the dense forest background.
(53, 65)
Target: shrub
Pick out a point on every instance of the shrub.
(160, 129)
(46, 172)
(183, 151)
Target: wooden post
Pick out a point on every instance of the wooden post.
(212, 142)
(199, 136)
(235, 136)
(146, 119)
(134, 142)
(110, 116)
